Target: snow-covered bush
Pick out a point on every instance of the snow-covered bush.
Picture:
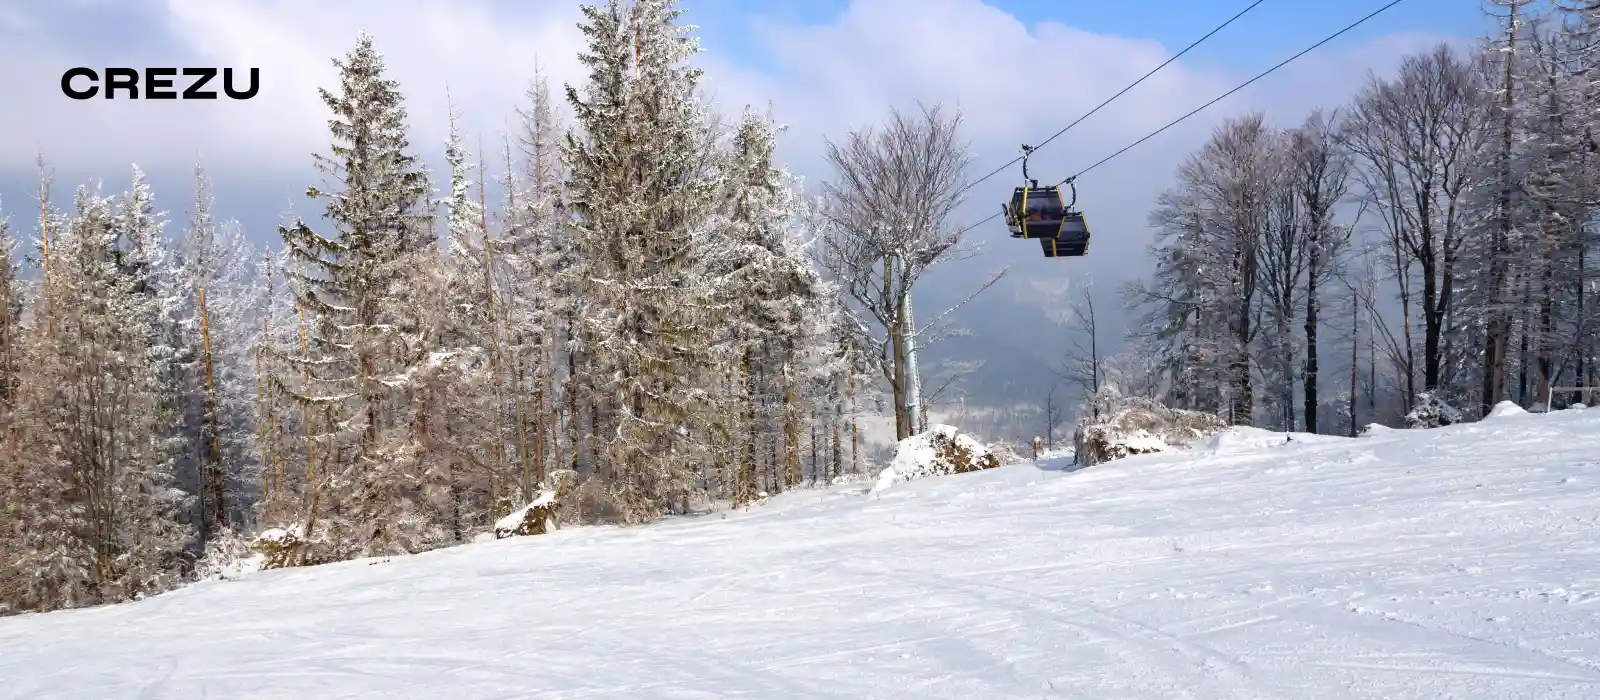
(940, 451)
(1132, 425)
(283, 547)
(530, 519)
(1432, 411)
(229, 555)
(1006, 453)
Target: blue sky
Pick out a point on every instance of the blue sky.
(1267, 34)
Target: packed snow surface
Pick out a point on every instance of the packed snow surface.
(1461, 562)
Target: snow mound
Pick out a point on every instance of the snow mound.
(1505, 409)
(940, 451)
(1375, 429)
(530, 519)
(1578, 406)
(1131, 425)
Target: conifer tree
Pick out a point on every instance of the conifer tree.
(361, 342)
(100, 516)
(643, 195)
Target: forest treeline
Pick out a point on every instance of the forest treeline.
(644, 314)
(638, 307)
(1415, 256)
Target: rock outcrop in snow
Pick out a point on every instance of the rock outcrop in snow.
(532, 519)
(940, 451)
(1132, 425)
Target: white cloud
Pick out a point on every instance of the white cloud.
(1015, 84)
(485, 60)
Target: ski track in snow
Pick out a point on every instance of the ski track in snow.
(1453, 563)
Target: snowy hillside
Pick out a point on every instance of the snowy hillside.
(1462, 562)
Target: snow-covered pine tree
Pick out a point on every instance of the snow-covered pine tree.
(643, 191)
(217, 314)
(542, 307)
(464, 382)
(100, 521)
(152, 303)
(363, 342)
(1183, 318)
(280, 448)
(10, 322)
(773, 300)
(10, 362)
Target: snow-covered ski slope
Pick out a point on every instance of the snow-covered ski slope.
(1462, 562)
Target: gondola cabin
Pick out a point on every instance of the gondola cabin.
(1035, 212)
(1041, 213)
(1064, 247)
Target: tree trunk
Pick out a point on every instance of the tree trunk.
(1355, 362)
(573, 425)
(897, 382)
(855, 433)
(1545, 341)
(1499, 326)
(1312, 368)
(1522, 350)
(791, 432)
(836, 460)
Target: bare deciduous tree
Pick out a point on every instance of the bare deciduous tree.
(888, 214)
(1417, 138)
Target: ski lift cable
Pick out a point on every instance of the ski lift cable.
(1219, 98)
(1120, 93)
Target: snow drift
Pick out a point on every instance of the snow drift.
(1459, 562)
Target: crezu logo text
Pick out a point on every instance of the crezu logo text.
(159, 83)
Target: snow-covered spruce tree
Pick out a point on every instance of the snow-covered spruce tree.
(363, 341)
(771, 296)
(145, 257)
(643, 195)
(217, 315)
(463, 384)
(10, 362)
(99, 522)
(541, 306)
(11, 297)
(281, 429)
